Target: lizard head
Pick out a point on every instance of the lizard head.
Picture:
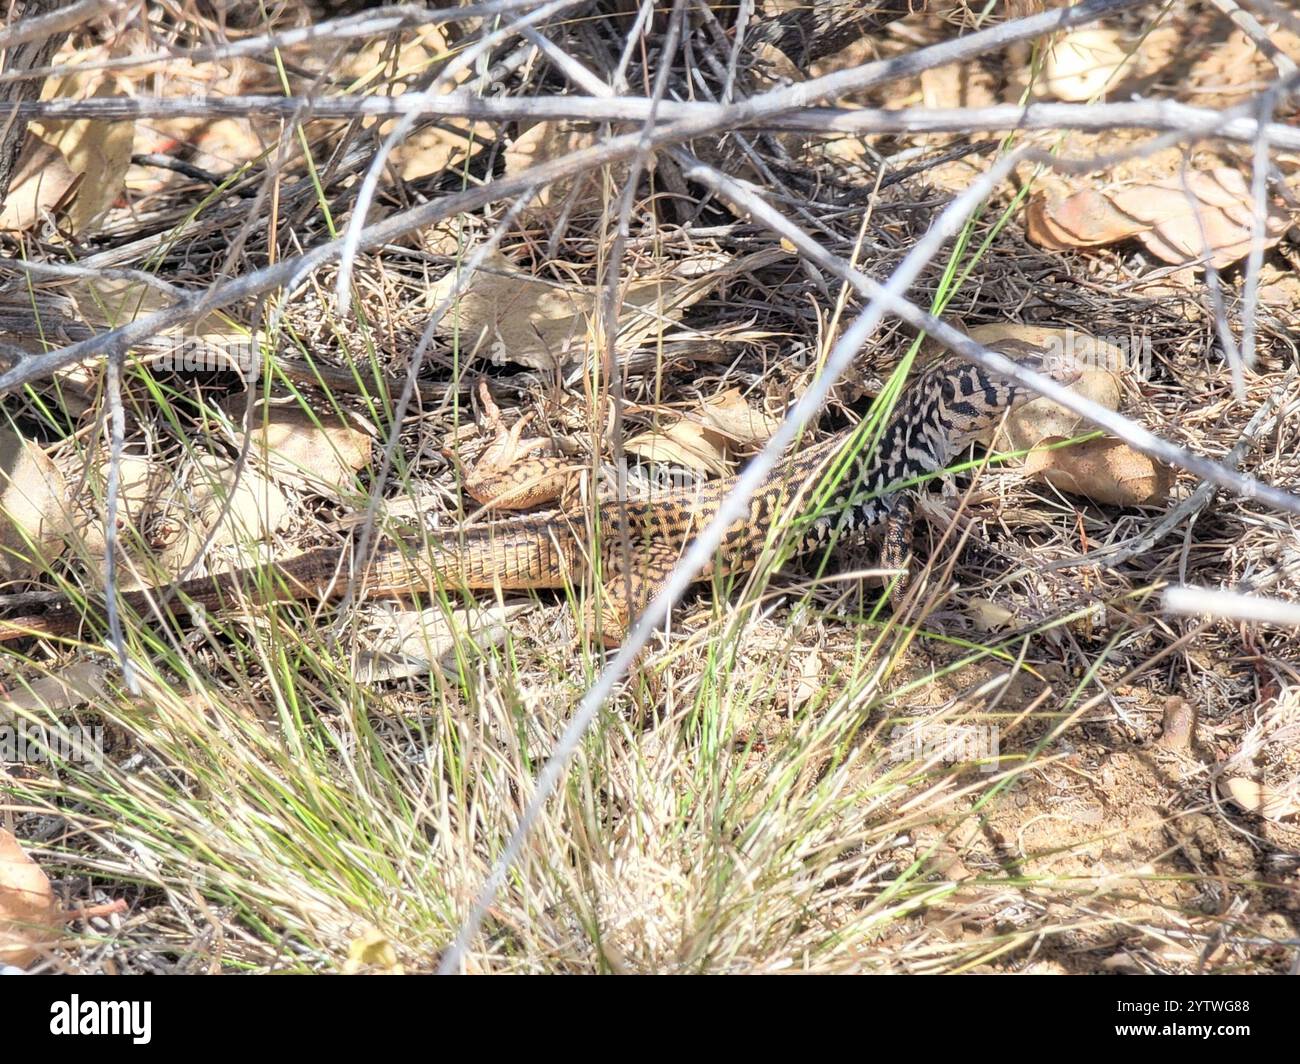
(965, 400)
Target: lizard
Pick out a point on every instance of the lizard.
(943, 409)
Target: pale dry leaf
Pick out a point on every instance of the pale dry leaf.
(372, 952)
(30, 921)
(175, 535)
(406, 643)
(74, 684)
(957, 85)
(1058, 221)
(808, 679)
(1041, 419)
(42, 183)
(259, 509)
(98, 152)
(1211, 216)
(683, 443)
(545, 141)
(431, 149)
(1222, 202)
(1254, 797)
(1107, 471)
(223, 145)
(1083, 64)
(511, 317)
(1279, 288)
(1178, 724)
(324, 454)
(728, 413)
(34, 521)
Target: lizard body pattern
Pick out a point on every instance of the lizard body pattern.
(848, 487)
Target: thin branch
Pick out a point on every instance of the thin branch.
(1249, 25)
(374, 23)
(117, 437)
(1235, 123)
(38, 27)
(1231, 605)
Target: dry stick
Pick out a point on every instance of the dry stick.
(1234, 123)
(117, 436)
(1249, 25)
(1267, 103)
(38, 27)
(1278, 14)
(64, 271)
(1232, 605)
(754, 109)
(375, 23)
(1215, 288)
(732, 508)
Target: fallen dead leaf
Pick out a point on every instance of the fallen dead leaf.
(33, 496)
(1058, 221)
(372, 952)
(431, 149)
(42, 183)
(512, 317)
(1105, 470)
(683, 443)
(30, 921)
(258, 511)
(322, 453)
(1083, 64)
(545, 141)
(1212, 217)
(728, 413)
(75, 684)
(97, 152)
(1267, 801)
(809, 679)
(406, 643)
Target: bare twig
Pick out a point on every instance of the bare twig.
(1235, 123)
(373, 23)
(117, 436)
(1249, 25)
(38, 27)
(1231, 605)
